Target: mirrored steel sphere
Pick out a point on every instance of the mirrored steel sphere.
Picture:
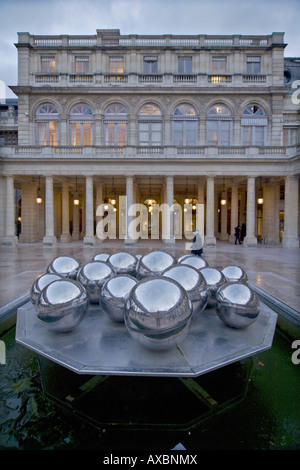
(123, 263)
(101, 257)
(214, 279)
(158, 313)
(193, 282)
(234, 274)
(181, 258)
(114, 294)
(237, 305)
(195, 261)
(62, 305)
(40, 283)
(92, 276)
(66, 266)
(154, 263)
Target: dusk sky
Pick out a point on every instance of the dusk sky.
(143, 17)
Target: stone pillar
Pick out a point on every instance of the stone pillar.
(129, 202)
(89, 238)
(234, 216)
(49, 238)
(291, 210)
(168, 213)
(210, 239)
(250, 239)
(224, 234)
(29, 213)
(10, 236)
(200, 209)
(2, 208)
(99, 201)
(65, 217)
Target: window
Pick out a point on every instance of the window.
(253, 124)
(116, 65)
(289, 136)
(82, 64)
(253, 65)
(150, 125)
(115, 125)
(48, 64)
(219, 125)
(219, 64)
(47, 123)
(185, 125)
(81, 125)
(184, 64)
(150, 65)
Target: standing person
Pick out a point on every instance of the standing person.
(197, 245)
(237, 232)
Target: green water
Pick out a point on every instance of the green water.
(268, 418)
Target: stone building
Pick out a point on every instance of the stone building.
(207, 121)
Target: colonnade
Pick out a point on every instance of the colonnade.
(7, 213)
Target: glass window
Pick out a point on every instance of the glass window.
(219, 64)
(185, 125)
(184, 64)
(48, 64)
(254, 125)
(150, 65)
(219, 125)
(81, 125)
(115, 125)
(116, 65)
(289, 136)
(150, 125)
(82, 64)
(253, 64)
(47, 125)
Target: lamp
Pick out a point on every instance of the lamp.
(260, 199)
(223, 197)
(194, 202)
(150, 200)
(39, 198)
(113, 199)
(76, 197)
(105, 201)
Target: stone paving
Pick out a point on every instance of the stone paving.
(273, 268)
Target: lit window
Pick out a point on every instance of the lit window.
(254, 124)
(253, 65)
(115, 125)
(219, 64)
(47, 124)
(184, 64)
(150, 125)
(185, 125)
(116, 65)
(219, 125)
(82, 64)
(150, 65)
(81, 125)
(48, 64)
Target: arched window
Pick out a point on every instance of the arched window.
(81, 125)
(254, 124)
(150, 125)
(47, 125)
(185, 124)
(219, 125)
(115, 125)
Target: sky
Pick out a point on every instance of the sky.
(52, 17)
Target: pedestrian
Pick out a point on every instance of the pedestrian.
(197, 245)
(237, 232)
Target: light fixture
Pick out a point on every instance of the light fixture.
(194, 202)
(186, 199)
(223, 197)
(113, 200)
(150, 200)
(39, 198)
(76, 197)
(260, 199)
(105, 201)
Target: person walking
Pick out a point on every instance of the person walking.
(197, 245)
(237, 232)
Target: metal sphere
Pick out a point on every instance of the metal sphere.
(40, 284)
(234, 274)
(214, 279)
(181, 258)
(62, 305)
(154, 263)
(158, 313)
(195, 261)
(237, 305)
(113, 295)
(193, 282)
(66, 266)
(92, 276)
(101, 257)
(123, 263)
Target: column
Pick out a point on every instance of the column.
(200, 209)
(49, 238)
(210, 239)
(65, 217)
(168, 212)
(89, 238)
(234, 216)
(250, 239)
(129, 240)
(10, 237)
(291, 210)
(29, 213)
(224, 234)
(2, 208)
(75, 232)
(99, 201)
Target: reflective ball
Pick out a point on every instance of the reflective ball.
(114, 294)
(195, 261)
(154, 263)
(158, 313)
(40, 283)
(101, 257)
(66, 266)
(234, 274)
(193, 282)
(62, 305)
(181, 258)
(214, 279)
(123, 263)
(237, 305)
(92, 276)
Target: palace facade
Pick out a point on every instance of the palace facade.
(202, 122)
